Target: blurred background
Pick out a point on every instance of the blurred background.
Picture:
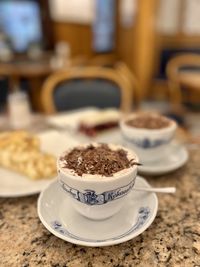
(155, 44)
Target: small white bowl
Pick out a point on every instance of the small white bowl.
(94, 196)
(149, 144)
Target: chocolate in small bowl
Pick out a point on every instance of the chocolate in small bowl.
(149, 121)
(96, 160)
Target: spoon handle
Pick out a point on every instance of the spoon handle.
(156, 190)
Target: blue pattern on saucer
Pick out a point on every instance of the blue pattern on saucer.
(142, 218)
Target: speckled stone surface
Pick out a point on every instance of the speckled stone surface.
(173, 240)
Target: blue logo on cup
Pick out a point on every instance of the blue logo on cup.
(90, 197)
(147, 143)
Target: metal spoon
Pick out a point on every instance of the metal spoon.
(156, 190)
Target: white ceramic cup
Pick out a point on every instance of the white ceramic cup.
(95, 196)
(149, 144)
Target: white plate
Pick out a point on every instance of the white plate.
(13, 184)
(177, 157)
(59, 217)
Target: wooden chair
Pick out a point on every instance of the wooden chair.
(132, 80)
(107, 60)
(85, 86)
(183, 71)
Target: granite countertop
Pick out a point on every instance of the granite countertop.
(172, 240)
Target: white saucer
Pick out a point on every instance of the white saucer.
(58, 216)
(177, 157)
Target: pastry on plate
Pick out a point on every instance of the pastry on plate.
(20, 152)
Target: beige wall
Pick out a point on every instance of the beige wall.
(134, 45)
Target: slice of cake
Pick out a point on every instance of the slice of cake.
(103, 120)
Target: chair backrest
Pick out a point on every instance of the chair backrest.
(182, 62)
(176, 66)
(132, 80)
(88, 86)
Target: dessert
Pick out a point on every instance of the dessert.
(100, 121)
(148, 134)
(20, 152)
(96, 159)
(97, 178)
(148, 121)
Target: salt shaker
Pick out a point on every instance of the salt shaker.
(19, 110)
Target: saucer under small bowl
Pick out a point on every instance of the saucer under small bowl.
(177, 156)
(62, 220)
